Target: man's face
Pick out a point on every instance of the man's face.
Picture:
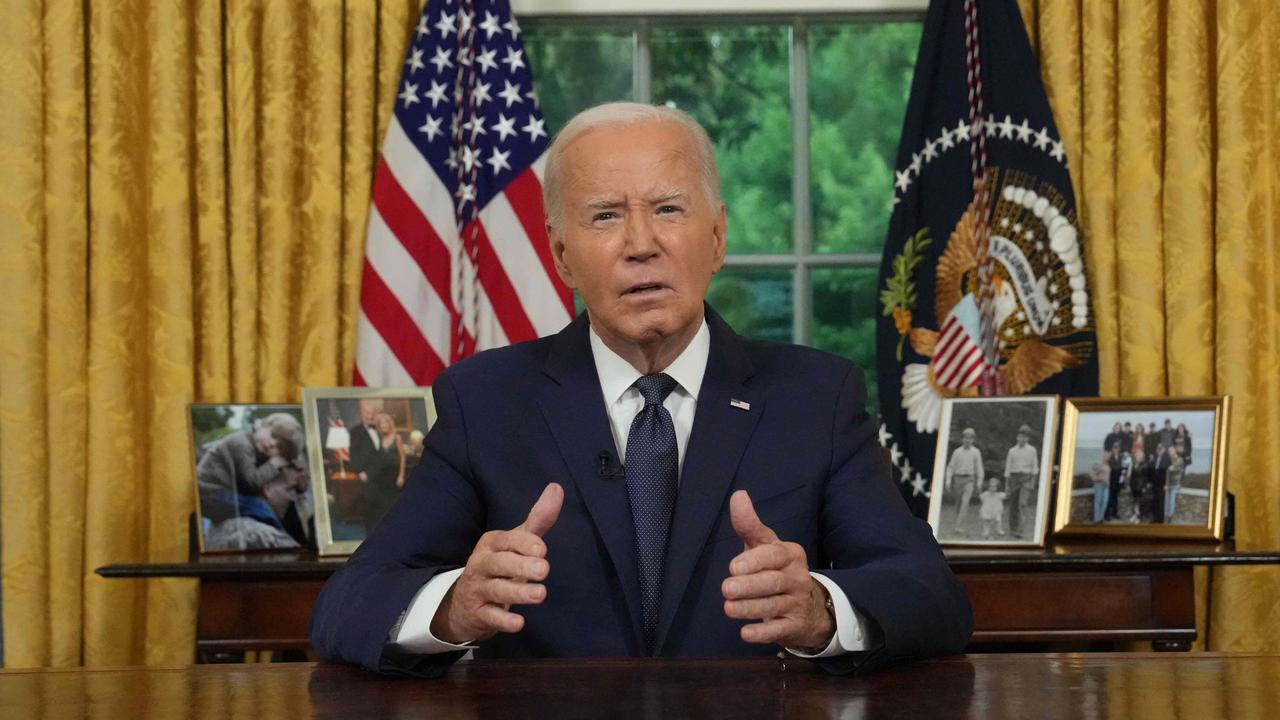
(967, 440)
(640, 240)
(1022, 439)
(368, 411)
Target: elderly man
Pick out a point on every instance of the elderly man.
(751, 508)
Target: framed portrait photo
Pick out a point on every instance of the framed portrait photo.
(253, 486)
(364, 443)
(991, 470)
(1149, 467)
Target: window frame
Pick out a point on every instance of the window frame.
(802, 260)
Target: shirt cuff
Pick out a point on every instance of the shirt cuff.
(851, 629)
(414, 634)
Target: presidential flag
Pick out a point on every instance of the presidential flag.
(983, 289)
(456, 255)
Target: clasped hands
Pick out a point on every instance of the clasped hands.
(768, 582)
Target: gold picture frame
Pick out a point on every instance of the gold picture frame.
(349, 501)
(1003, 508)
(227, 520)
(1111, 484)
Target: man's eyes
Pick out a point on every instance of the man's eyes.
(607, 215)
(668, 209)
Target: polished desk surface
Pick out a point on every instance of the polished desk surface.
(1079, 555)
(973, 686)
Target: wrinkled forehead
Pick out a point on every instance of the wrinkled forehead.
(632, 158)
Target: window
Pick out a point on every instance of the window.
(805, 113)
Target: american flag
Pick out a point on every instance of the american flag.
(958, 360)
(456, 257)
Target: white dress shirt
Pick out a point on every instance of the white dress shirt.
(623, 402)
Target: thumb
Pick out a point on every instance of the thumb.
(546, 511)
(746, 523)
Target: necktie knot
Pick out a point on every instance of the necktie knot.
(655, 387)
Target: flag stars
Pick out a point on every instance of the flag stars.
(464, 20)
(1006, 127)
(1058, 152)
(486, 60)
(535, 128)
(490, 25)
(475, 126)
(441, 60)
(505, 127)
(415, 61)
(512, 27)
(946, 139)
(962, 130)
(499, 161)
(466, 193)
(470, 158)
(915, 163)
(1024, 131)
(432, 128)
(514, 59)
(480, 95)
(883, 435)
(410, 94)
(510, 93)
(422, 28)
(930, 151)
(445, 24)
(1043, 139)
(903, 180)
(436, 94)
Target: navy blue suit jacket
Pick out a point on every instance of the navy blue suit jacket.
(514, 419)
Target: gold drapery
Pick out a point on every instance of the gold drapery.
(182, 212)
(1170, 116)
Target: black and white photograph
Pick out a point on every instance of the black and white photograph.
(253, 485)
(1136, 466)
(364, 443)
(991, 471)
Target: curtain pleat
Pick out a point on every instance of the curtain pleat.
(1170, 108)
(183, 214)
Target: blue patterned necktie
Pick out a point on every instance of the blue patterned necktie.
(651, 467)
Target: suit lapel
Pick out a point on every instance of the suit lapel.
(720, 435)
(574, 409)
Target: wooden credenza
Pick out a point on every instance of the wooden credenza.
(1079, 595)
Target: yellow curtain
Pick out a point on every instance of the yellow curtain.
(1170, 115)
(182, 213)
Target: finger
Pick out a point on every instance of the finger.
(771, 631)
(755, 585)
(499, 591)
(544, 512)
(521, 542)
(765, 608)
(494, 617)
(514, 566)
(759, 559)
(746, 523)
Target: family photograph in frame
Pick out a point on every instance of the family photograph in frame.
(1148, 467)
(364, 443)
(991, 471)
(253, 485)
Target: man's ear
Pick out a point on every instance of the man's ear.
(718, 230)
(557, 254)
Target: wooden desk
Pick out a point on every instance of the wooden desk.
(1082, 593)
(983, 686)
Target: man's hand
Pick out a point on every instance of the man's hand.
(770, 581)
(504, 569)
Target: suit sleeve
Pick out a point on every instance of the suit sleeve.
(432, 528)
(885, 559)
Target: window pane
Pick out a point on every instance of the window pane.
(756, 302)
(859, 79)
(735, 82)
(575, 67)
(844, 318)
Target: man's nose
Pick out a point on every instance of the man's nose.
(641, 242)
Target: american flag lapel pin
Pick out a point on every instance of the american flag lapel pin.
(740, 404)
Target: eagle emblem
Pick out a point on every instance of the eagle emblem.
(1041, 300)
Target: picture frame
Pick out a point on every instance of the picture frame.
(1108, 484)
(246, 499)
(992, 469)
(357, 472)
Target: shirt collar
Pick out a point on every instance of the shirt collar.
(617, 375)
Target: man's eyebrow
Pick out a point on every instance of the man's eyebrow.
(604, 203)
(668, 196)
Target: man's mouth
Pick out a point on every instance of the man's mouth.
(643, 288)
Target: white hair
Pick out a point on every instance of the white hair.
(623, 113)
